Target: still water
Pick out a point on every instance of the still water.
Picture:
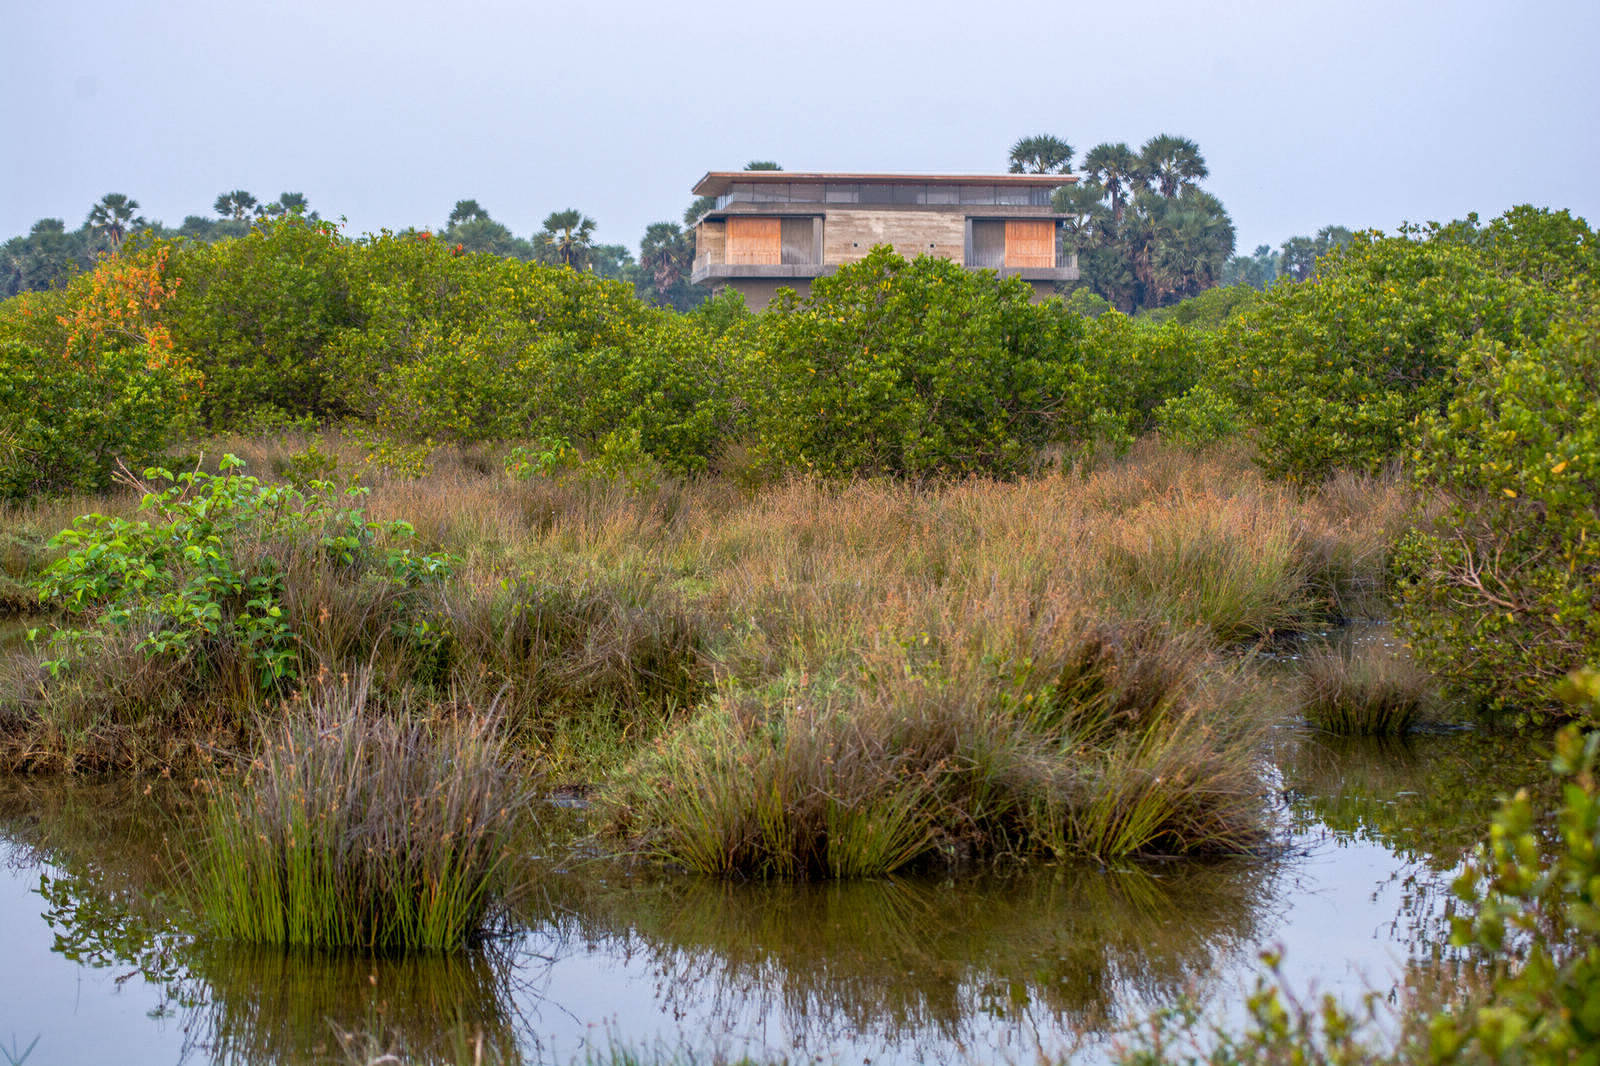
(598, 955)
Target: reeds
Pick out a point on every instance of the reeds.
(1364, 689)
(354, 830)
(1100, 745)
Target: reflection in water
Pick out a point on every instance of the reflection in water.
(997, 966)
(1065, 950)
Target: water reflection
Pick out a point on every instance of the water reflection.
(1065, 950)
(1001, 966)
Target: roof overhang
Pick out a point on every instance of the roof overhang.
(717, 182)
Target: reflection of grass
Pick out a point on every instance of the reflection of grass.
(268, 1005)
(1424, 797)
(1074, 945)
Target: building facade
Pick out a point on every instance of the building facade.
(775, 228)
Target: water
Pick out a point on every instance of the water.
(1055, 959)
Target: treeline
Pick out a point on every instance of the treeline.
(50, 254)
(1145, 233)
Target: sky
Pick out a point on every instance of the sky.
(1362, 114)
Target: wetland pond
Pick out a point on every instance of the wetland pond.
(1049, 960)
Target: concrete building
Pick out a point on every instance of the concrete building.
(772, 228)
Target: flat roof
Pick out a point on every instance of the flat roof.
(717, 182)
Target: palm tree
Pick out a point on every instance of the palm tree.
(1116, 170)
(1043, 154)
(289, 203)
(236, 205)
(466, 211)
(1171, 164)
(667, 256)
(112, 217)
(566, 238)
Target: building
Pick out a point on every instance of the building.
(773, 228)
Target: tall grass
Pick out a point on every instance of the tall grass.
(1364, 689)
(1088, 750)
(353, 830)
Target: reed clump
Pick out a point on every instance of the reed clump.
(1365, 689)
(351, 829)
(1085, 748)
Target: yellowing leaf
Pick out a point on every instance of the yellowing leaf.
(1562, 465)
(1512, 493)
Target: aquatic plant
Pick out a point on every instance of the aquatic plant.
(1368, 689)
(353, 830)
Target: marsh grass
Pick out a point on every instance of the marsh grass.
(1365, 689)
(602, 616)
(353, 830)
(1092, 752)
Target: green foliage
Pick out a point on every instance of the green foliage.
(1503, 598)
(1335, 371)
(1200, 416)
(891, 367)
(1537, 917)
(913, 368)
(203, 574)
(259, 314)
(89, 376)
(1210, 309)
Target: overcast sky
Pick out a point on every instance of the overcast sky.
(1358, 113)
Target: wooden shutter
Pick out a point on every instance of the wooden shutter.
(1030, 243)
(755, 241)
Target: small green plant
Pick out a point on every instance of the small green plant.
(303, 468)
(546, 457)
(352, 830)
(203, 572)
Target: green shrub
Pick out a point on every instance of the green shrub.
(258, 315)
(1502, 598)
(89, 376)
(206, 575)
(1334, 371)
(911, 368)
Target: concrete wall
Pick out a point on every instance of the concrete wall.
(849, 235)
(711, 242)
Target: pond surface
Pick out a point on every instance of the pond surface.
(996, 967)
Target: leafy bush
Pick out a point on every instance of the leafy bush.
(1334, 371)
(1502, 598)
(205, 577)
(90, 376)
(896, 367)
(259, 313)
(919, 368)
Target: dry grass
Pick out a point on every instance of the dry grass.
(1026, 660)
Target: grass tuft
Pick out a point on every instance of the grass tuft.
(350, 830)
(1366, 689)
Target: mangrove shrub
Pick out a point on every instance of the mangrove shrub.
(1502, 599)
